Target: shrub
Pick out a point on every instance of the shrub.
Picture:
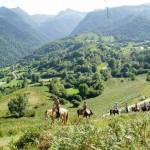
(45, 142)
(63, 101)
(75, 103)
(30, 113)
(77, 97)
(29, 139)
(1, 133)
(17, 106)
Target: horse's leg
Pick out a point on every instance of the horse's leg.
(46, 115)
(110, 112)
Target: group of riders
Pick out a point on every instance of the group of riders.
(135, 108)
(56, 106)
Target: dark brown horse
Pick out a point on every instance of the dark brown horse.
(84, 113)
(135, 109)
(144, 108)
(114, 111)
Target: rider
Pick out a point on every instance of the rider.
(126, 108)
(136, 106)
(84, 107)
(56, 105)
(116, 107)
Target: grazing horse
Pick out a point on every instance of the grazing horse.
(53, 114)
(84, 113)
(114, 111)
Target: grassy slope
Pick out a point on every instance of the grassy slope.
(122, 92)
(115, 90)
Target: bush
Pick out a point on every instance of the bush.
(17, 106)
(1, 133)
(45, 142)
(30, 113)
(30, 138)
(62, 101)
(75, 103)
(77, 97)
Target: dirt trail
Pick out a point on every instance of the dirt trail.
(14, 75)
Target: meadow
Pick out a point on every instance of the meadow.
(98, 132)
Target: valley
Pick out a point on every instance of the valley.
(77, 57)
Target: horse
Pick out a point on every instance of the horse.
(114, 111)
(135, 109)
(144, 108)
(84, 113)
(53, 114)
(125, 110)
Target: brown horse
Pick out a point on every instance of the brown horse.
(135, 109)
(53, 114)
(84, 113)
(144, 108)
(114, 111)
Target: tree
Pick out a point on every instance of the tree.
(35, 78)
(25, 82)
(17, 106)
(83, 89)
(148, 77)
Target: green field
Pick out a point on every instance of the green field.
(72, 91)
(108, 38)
(102, 66)
(121, 90)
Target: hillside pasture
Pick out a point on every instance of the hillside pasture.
(121, 90)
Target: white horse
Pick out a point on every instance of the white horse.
(124, 110)
(53, 114)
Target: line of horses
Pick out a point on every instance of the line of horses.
(133, 109)
(53, 114)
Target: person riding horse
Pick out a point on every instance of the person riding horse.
(116, 107)
(56, 105)
(84, 107)
(126, 108)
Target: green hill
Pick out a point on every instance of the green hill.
(118, 22)
(17, 38)
(107, 72)
(39, 101)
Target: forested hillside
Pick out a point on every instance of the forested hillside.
(127, 22)
(17, 38)
(83, 61)
(62, 24)
(21, 33)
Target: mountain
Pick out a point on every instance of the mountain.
(106, 19)
(17, 37)
(25, 16)
(131, 28)
(41, 18)
(62, 24)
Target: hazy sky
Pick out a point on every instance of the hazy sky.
(54, 6)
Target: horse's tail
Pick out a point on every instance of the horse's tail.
(67, 116)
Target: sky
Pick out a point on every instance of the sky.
(55, 6)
